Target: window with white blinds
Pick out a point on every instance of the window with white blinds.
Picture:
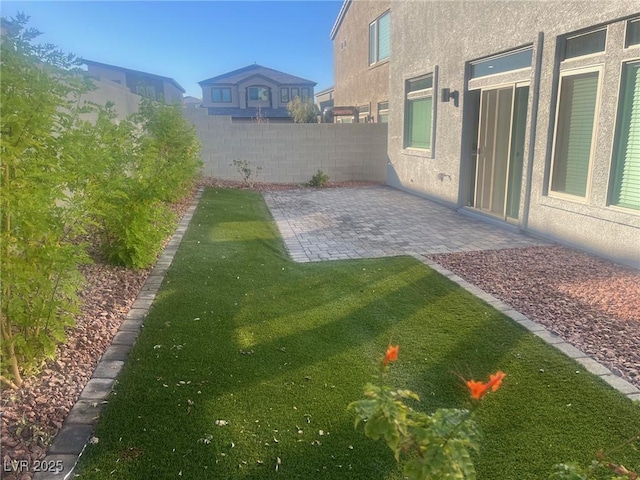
(625, 181)
(419, 113)
(380, 39)
(575, 126)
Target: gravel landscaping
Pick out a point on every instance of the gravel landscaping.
(591, 303)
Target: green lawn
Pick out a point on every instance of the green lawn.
(278, 350)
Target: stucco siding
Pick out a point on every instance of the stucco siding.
(441, 38)
(356, 82)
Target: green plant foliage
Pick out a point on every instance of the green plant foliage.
(63, 176)
(39, 220)
(141, 164)
(319, 179)
(246, 171)
(437, 445)
(303, 111)
(170, 151)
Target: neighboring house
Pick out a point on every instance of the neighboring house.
(157, 87)
(324, 98)
(523, 113)
(240, 93)
(361, 51)
(191, 102)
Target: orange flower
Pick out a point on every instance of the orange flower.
(391, 355)
(479, 389)
(495, 380)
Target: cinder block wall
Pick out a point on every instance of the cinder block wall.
(291, 153)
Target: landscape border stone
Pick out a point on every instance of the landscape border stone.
(78, 426)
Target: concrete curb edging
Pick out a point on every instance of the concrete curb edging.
(76, 431)
(591, 365)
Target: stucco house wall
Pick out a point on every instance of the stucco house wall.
(442, 38)
(356, 82)
(166, 89)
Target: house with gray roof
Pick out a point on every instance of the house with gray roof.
(240, 93)
(157, 87)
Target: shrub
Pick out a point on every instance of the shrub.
(319, 179)
(61, 176)
(244, 169)
(303, 111)
(38, 256)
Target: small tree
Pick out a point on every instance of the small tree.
(303, 111)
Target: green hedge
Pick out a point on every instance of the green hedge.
(65, 179)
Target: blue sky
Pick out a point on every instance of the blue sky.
(191, 41)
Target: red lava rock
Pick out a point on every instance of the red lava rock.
(590, 302)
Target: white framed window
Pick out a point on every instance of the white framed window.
(363, 113)
(419, 113)
(574, 133)
(383, 112)
(624, 189)
(221, 95)
(380, 38)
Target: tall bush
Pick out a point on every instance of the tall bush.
(303, 111)
(152, 160)
(38, 259)
(61, 177)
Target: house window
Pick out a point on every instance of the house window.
(295, 92)
(220, 95)
(515, 60)
(259, 94)
(383, 112)
(284, 95)
(380, 39)
(585, 44)
(633, 32)
(305, 93)
(625, 172)
(363, 114)
(419, 113)
(146, 91)
(574, 132)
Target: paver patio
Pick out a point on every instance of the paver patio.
(378, 221)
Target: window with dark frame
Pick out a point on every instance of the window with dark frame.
(221, 95)
(284, 95)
